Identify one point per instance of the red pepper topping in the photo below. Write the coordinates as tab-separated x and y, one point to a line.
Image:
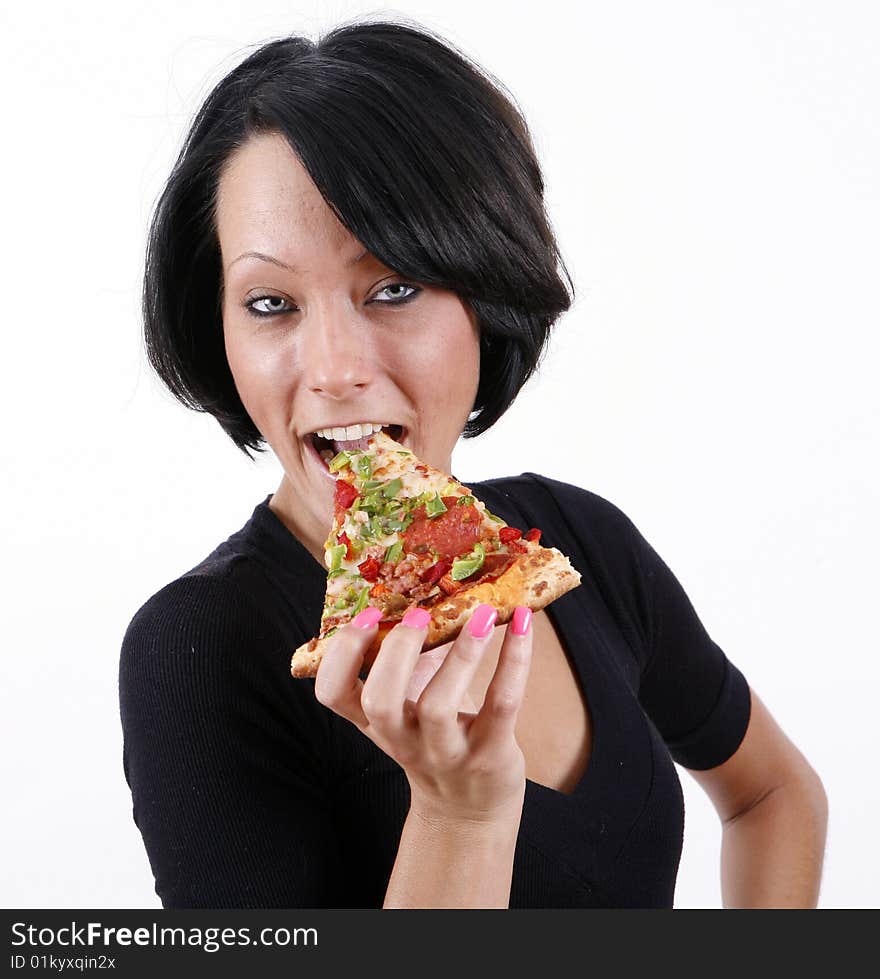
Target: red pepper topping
369	569
345	494
349	550
534	534
430	576
449	586
507	534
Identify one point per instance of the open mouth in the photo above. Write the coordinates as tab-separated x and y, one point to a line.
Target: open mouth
325	449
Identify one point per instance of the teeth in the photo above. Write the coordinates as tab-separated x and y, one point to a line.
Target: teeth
358	431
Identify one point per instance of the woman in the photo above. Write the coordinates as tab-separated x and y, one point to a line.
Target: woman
355	232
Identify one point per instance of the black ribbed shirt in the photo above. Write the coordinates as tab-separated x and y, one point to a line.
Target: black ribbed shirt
249	793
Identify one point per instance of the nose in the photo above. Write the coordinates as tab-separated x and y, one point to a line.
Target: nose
335	353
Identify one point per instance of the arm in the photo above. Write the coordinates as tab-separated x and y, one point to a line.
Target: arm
770	801
774	815
223	758
448	863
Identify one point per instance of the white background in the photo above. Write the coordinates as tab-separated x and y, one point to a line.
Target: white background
712	174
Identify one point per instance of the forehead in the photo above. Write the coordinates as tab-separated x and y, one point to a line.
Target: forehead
266	198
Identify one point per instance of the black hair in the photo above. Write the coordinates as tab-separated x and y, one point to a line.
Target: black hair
421	157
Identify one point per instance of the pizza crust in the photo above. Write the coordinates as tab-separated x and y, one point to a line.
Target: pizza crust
536	579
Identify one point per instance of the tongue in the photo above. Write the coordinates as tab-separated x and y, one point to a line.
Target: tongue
351	445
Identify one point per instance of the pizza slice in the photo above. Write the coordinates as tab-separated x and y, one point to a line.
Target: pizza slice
407	534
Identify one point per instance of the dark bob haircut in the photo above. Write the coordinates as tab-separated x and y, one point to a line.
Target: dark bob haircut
420	156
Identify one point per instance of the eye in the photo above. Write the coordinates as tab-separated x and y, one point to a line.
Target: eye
251	306
398	300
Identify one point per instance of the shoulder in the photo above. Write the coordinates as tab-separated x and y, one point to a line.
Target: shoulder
570	499
231	596
198	605
201	659
569	513
599	539
191	640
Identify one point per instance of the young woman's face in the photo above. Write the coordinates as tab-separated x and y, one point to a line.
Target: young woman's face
338	345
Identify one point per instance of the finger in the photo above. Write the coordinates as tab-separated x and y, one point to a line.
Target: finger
337	684
426	666
496	721
440	702
385	689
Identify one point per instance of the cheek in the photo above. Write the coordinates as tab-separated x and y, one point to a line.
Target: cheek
446	368
439	378
459	373
257	374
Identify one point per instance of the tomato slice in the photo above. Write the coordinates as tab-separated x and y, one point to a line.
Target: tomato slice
345	494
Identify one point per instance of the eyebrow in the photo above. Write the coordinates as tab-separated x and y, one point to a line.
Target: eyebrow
282	265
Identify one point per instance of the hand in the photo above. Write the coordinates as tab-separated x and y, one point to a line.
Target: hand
460	764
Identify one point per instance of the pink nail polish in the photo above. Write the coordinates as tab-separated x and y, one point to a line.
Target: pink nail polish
482	621
367	618
522	617
416	618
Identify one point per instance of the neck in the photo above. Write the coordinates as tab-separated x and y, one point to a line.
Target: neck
309	529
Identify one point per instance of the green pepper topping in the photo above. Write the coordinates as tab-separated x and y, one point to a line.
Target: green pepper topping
465	501
348	596
339	461
372	484
393	553
464	567
400	524
435	506
337	552
371	502
392	489
362	600
365	466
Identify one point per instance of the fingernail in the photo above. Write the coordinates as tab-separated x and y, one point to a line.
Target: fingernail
416	618
367	618
522	617
481	622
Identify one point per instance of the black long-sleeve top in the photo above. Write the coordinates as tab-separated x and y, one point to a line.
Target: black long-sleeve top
249	793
